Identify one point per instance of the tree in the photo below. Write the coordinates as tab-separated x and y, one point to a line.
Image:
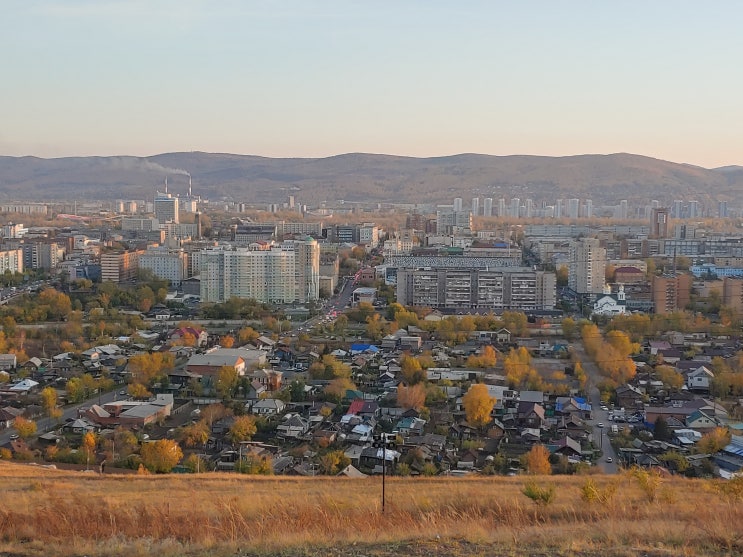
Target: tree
538	461
478	404
226	381
333	462
227	341
247	334
710	443
137	390
242	429
569	328
669	376
412	371
195	434
49	402
195	464
161	456
661	431
213	413
88	447
337	388
25	428
413	396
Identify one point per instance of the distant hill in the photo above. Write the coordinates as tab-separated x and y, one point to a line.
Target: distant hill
368	177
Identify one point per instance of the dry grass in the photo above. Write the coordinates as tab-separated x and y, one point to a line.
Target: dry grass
47	512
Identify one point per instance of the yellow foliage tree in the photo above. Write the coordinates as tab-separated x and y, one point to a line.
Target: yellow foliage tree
242	429
478	405
161	456
25	428
538	461
714	441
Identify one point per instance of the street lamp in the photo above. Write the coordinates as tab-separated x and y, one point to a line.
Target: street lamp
384	441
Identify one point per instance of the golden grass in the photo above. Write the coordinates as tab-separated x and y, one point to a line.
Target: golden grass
49	512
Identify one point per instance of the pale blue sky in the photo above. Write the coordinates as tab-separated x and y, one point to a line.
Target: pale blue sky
420	78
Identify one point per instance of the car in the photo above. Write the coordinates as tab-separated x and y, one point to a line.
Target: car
122	393
14	436
604	408
600	424
609	459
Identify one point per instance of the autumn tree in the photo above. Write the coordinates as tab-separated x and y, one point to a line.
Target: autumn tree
25	428
227	341
517	365
242	429
195	464
478	405
247	334
669	376
412	371
711	442
161	456
226	381
147	368
538	461
486	358
337	388
87	446
333	462
329	367
413	396
137	390
214	413
194	435
49	402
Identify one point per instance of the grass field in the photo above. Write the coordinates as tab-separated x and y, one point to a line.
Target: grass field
51	512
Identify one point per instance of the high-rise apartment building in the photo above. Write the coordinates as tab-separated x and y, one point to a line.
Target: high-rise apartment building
587	269
166	208
487	208
475	206
671	292
659	222
457	203
164	263
286	273
120	266
11	260
484	289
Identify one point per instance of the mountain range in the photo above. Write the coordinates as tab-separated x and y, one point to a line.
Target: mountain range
368	177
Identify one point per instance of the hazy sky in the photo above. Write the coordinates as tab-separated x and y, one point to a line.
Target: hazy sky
420	78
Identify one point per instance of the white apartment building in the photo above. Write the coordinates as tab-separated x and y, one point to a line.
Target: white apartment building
288	272
167	264
11	260
587	269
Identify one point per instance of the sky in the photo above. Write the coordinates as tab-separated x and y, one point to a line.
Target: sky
417	78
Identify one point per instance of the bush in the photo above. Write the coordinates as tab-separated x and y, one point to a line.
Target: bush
591	493
541	496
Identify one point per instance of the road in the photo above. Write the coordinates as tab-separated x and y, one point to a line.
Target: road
600	434
46	424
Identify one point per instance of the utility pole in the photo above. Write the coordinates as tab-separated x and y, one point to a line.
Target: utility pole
384	441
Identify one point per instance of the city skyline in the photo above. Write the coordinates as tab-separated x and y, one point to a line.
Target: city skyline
419	79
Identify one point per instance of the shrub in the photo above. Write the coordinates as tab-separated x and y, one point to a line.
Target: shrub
649	482
541	496
591	493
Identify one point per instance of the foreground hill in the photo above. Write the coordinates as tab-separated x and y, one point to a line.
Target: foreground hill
366	177
49	512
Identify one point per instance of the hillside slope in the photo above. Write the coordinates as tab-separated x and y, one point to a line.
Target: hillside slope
367	177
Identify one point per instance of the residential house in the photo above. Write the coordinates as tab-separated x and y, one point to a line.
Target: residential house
702	422
531	415
8	362
8	414
294	426
268	407
372	458
629	396
699	379
409	426
192	336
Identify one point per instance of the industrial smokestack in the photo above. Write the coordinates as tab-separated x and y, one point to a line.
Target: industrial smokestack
189	186
166	184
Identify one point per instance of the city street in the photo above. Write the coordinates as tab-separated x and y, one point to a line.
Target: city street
600	434
45	424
